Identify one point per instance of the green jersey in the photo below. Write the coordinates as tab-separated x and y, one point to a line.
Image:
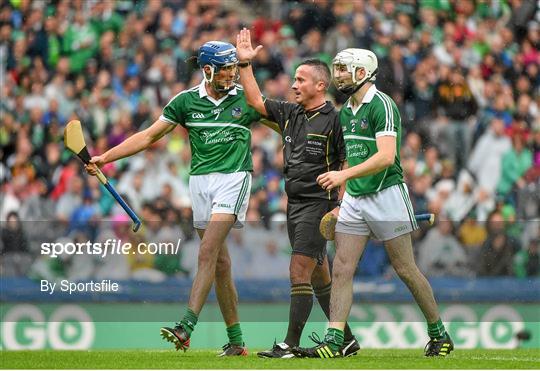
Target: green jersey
378	115
219	133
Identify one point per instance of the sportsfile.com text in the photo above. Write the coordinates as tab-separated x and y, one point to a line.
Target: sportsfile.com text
109	247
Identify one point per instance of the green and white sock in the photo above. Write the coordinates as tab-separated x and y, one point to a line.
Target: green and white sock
436	330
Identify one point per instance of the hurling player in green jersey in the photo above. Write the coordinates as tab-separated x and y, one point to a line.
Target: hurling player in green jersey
376	201
217	118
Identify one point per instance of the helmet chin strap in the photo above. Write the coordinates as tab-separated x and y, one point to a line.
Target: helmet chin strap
351	89
213	83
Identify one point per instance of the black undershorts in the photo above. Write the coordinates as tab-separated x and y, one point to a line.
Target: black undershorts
303	219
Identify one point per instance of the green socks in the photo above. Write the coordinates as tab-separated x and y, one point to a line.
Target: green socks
189	321
334	338
436	330
235	334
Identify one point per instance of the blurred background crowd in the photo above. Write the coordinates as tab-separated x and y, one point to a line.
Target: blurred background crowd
464	73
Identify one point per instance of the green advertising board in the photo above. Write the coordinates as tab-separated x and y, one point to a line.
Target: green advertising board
96	326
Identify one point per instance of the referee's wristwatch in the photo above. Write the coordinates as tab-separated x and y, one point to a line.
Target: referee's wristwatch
244	64
339	203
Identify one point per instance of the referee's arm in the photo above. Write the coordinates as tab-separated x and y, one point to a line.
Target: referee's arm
246	53
251	90
254	96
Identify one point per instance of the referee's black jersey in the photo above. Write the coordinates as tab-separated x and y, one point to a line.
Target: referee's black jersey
313	144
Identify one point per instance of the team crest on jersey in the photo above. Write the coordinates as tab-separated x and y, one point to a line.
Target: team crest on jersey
236	112
363	123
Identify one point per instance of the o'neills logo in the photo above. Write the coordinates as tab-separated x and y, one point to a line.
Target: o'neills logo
214	137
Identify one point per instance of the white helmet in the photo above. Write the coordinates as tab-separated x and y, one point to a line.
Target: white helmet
354	58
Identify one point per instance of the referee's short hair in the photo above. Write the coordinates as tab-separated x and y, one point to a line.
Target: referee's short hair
321	68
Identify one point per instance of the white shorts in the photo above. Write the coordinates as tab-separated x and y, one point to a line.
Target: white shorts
384	215
219	193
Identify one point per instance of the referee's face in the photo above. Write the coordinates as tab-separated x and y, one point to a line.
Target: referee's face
305	86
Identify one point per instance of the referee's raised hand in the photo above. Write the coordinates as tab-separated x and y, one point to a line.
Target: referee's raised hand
244	50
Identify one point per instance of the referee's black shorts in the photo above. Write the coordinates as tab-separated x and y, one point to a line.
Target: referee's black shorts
303	219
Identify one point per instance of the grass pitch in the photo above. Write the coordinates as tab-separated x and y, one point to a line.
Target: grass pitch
206	359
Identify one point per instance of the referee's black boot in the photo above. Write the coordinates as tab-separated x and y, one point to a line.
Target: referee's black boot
350	348
280	350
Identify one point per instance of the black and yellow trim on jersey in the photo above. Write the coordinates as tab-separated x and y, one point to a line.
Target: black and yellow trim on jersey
328	159
242	194
324	351
408	204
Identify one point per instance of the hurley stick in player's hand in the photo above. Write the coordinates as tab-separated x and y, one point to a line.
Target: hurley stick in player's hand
74	141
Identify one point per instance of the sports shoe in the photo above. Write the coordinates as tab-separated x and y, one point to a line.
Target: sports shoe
322	350
234	350
350	348
280	350
439	347
177	335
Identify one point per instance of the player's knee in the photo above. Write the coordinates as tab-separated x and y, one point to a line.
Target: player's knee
207	256
405	272
343	274
343	269
299	272
321	276
223	266
343	263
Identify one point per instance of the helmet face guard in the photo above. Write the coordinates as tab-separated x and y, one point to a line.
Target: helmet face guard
217	55
351	60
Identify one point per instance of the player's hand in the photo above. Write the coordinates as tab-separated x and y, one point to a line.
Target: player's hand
331	180
244	50
96	162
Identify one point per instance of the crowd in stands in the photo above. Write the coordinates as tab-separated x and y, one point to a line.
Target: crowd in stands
465	75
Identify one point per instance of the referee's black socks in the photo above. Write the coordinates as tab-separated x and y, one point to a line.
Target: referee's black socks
323	296
301	304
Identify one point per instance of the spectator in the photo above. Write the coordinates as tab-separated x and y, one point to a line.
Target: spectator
498	250
70	200
454	97
486	162
441	254
472	235
496	256
396	78
515	164
527	262
15	258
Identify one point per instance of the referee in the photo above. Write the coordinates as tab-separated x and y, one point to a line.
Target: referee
313	145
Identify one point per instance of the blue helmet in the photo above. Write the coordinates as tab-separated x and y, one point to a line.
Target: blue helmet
217	54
